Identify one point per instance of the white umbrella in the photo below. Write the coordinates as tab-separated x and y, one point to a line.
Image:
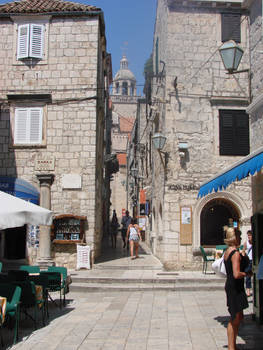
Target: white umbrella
15	212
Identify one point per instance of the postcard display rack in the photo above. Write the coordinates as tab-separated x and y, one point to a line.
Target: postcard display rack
68	229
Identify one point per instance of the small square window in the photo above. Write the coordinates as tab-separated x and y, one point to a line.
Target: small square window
233	132
231	27
30	41
28	126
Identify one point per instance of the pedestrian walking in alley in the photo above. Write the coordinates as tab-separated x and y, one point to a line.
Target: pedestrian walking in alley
114	229
125	221
134	236
235	264
247	250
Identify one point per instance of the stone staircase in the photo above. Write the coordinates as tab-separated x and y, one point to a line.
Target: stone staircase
161	281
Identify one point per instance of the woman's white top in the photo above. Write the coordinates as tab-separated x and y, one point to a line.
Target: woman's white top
249	250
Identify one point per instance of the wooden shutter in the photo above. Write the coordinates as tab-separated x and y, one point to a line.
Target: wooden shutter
36	40
28	126
20	134
35	126
230	25
23	41
233	133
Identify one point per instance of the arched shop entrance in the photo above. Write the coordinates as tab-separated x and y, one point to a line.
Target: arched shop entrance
13	240
215	215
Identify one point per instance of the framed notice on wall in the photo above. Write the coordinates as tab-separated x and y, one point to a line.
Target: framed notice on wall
186	225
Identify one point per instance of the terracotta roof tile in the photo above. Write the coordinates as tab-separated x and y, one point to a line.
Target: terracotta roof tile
42	6
122	158
126	124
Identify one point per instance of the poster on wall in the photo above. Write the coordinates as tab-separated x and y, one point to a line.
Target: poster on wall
185	215
186	225
33	236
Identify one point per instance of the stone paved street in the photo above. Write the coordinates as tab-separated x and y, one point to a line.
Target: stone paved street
110	319
142	320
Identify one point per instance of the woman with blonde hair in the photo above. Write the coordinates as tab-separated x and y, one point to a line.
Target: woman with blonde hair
235	265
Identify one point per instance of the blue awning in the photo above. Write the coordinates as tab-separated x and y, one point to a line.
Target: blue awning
19	188
238	171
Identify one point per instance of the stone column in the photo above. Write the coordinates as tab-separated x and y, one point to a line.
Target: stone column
44	252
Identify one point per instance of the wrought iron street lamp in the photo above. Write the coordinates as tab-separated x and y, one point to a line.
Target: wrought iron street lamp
159	141
231	55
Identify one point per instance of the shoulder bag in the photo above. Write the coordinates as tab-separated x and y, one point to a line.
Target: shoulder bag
218	267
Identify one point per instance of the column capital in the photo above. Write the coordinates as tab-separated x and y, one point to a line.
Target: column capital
45	179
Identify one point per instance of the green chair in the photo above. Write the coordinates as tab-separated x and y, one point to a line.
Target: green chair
42	280
18	275
30	268
206	259
29	300
13	295
222	247
54	284
64	273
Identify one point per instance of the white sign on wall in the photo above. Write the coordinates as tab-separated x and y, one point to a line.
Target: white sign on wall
71	181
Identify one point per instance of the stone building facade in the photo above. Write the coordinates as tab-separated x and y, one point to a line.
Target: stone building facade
53	63
193	101
255	109
124	99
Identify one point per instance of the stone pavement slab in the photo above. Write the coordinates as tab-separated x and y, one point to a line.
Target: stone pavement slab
142	320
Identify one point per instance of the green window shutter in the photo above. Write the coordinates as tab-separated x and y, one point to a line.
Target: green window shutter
231	27
157	56
233	133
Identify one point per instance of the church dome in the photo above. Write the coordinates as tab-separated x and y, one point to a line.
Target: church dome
124	73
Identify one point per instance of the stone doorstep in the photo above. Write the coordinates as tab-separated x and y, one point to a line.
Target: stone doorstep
114	280
124	267
96	287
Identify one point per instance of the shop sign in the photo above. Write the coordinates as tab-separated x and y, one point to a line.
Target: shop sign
190	187
45	163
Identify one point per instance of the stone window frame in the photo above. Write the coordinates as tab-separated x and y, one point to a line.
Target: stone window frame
43	20
28	105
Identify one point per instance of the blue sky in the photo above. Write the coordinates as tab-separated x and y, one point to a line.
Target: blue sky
129	30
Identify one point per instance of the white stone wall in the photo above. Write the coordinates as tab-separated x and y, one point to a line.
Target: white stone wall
189	37
73	127
256	107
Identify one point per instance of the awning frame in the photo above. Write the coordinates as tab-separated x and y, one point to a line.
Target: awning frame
232	173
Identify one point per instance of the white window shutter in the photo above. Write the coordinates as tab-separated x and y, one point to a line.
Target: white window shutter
20	134
23	41
35	128
36	40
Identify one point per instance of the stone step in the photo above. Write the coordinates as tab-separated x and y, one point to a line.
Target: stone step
121	280
120	287
125	267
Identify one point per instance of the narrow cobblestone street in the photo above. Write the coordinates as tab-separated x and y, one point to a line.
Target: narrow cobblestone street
140	319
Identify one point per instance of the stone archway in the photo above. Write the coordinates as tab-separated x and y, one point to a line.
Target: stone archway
215	215
233	199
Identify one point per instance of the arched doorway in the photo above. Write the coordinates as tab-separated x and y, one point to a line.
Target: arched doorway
214	216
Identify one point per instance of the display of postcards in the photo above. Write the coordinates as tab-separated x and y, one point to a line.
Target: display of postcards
74	236
59	236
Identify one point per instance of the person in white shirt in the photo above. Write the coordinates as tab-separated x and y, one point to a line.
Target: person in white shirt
247	249
134	236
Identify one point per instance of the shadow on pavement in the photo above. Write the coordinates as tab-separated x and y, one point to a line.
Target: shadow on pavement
250	332
26	326
110	253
